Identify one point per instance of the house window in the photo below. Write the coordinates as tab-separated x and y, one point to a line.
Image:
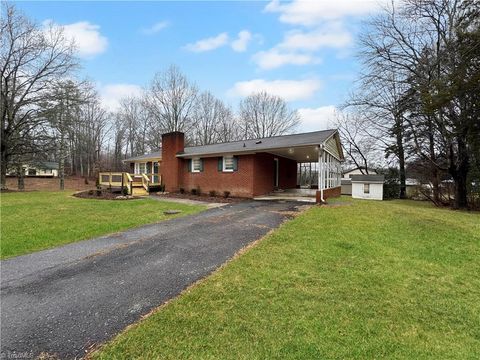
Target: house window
196	165
228	163
140	168
366	188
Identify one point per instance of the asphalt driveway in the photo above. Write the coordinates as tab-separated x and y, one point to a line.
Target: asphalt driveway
65	300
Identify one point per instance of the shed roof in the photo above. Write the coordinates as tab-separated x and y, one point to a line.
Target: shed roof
367	178
263	144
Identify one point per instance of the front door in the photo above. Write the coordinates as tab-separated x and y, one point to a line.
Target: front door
275	173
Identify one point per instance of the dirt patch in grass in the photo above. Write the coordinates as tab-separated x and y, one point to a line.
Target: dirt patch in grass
202	197
103	195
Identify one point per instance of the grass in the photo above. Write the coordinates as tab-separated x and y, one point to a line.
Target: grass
34	221
392	279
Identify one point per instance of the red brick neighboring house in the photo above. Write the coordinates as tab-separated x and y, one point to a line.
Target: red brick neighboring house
249	168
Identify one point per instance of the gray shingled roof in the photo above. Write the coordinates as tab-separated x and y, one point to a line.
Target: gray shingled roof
367	178
254	145
155	154
44	165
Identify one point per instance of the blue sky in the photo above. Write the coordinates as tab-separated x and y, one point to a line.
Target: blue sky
300	50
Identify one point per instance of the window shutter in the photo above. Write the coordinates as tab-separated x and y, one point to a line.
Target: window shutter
189	165
235	163
220	164
201	165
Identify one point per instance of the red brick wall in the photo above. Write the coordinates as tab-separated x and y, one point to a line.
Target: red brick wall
287	173
51	184
255	174
328	193
172	169
264	173
239	183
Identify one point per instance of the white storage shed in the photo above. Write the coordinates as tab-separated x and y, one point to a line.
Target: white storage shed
367	187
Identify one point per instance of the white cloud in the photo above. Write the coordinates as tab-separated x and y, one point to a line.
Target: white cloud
320	118
275	58
88	40
155	28
208	43
310	13
289	90
112	93
298	46
332	35
241	43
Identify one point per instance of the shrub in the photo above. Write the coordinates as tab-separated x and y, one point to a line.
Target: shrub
212	193
391	186
194	191
226	194
182	191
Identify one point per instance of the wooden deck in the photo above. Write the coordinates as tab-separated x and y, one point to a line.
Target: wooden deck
133	184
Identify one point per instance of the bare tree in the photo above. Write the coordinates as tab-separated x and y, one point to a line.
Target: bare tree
211	117
360	146
171	99
379	97
229	128
135	117
31	60
264	115
88	135
432	47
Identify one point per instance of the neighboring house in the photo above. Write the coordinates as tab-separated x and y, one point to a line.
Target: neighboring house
347	174
367	187
412	187
38	169
246	168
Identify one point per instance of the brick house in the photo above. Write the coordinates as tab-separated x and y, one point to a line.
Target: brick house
249	168
246	168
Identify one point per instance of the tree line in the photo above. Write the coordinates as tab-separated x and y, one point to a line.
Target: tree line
48	113
418	96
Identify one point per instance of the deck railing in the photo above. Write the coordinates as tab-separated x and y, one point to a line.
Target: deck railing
126	180
145	182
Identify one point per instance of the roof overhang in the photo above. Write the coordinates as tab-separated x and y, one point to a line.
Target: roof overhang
142	159
300	153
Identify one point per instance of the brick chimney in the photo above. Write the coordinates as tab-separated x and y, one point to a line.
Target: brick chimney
172	167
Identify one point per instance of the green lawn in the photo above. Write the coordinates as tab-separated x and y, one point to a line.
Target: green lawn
33	221
392	279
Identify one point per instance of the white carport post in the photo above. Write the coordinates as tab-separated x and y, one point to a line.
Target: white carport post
321	171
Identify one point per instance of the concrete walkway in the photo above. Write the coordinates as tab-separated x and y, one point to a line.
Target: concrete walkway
65	300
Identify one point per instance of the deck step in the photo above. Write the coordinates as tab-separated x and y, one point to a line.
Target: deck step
139	191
